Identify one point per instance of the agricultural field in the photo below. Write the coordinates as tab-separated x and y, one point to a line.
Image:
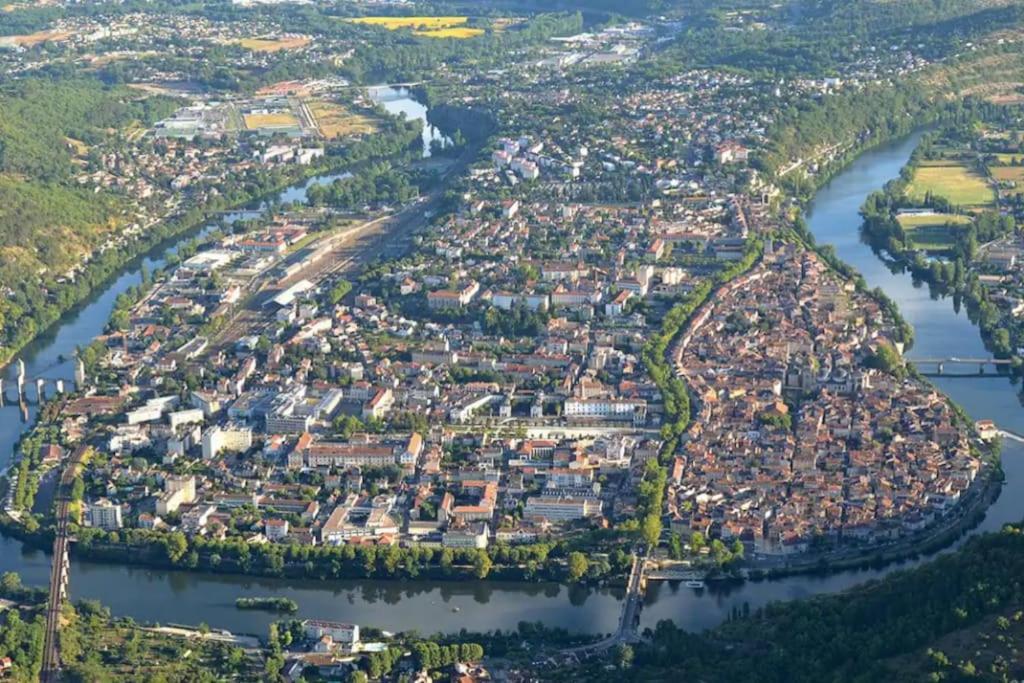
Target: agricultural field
275	44
1010	158
36	38
275	120
935	232
1008	174
428	27
421	23
457	32
335	121
952	180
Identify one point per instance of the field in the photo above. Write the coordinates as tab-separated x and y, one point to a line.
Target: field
459	32
421	23
274	44
335	121
933	233
953	181
1008	174
277	120
35	38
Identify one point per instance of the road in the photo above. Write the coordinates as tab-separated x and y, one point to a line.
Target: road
58	573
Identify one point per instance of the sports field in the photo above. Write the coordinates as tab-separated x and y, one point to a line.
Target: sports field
933	233
953	181
276	120
336	121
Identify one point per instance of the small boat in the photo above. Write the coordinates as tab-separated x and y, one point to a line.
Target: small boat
694	583
456	609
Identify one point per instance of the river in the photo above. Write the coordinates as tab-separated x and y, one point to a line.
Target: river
183	597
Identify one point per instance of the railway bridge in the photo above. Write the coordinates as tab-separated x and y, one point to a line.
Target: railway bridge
60	569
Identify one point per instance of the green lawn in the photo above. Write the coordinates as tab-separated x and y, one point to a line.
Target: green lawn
953	181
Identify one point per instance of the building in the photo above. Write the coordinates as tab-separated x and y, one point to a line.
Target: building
340	633
237	438
470	537
607	409
178	491
275	529
561	508
105	515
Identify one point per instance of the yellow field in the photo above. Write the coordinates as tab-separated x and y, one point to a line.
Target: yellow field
953	181
336	121
422	23
279	120
458	32
274	45
1010	158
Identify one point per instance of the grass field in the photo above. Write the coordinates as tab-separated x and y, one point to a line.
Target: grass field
274	45
336	121
1010	158
933	233
953	181
910	222
278	120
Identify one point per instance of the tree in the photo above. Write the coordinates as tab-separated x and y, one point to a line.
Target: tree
651	530
624	655
482	564
10	584
578	566
175	545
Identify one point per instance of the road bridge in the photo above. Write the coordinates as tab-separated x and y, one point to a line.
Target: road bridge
629	616
936	367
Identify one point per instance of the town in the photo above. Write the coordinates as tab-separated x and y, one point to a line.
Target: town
522	297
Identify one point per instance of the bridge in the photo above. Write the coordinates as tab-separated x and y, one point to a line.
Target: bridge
60	570
936	367
21	384
629	616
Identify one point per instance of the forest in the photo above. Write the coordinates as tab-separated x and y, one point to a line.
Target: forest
869	633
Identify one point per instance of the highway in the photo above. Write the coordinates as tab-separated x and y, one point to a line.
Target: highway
59	571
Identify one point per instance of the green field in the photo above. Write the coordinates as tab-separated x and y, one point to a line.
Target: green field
953	181
933	233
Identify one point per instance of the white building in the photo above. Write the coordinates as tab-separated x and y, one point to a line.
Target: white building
105	515
561	509
236	438
341	633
